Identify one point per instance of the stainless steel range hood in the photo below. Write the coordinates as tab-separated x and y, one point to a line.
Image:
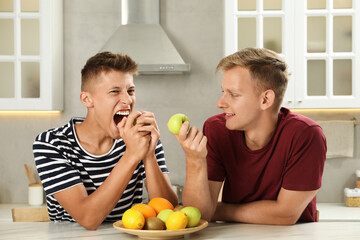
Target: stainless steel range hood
142	38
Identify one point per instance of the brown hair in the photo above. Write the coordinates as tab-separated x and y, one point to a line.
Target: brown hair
266	68
105	62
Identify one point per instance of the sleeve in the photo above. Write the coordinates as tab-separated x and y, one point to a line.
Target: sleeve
215	167
304	169
55	172
160	158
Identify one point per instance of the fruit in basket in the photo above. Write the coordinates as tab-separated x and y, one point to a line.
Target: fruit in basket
176	221
133	219
145	209
193	214
164	214
159	204
176	121
154	223
178	207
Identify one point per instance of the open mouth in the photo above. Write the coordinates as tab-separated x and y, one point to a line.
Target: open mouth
120	115
229	115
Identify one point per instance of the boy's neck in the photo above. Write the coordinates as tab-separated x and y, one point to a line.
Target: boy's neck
92	139
257	138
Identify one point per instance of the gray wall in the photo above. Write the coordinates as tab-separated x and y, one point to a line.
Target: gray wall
196	29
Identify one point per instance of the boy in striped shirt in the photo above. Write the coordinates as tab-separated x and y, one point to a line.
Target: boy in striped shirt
93	168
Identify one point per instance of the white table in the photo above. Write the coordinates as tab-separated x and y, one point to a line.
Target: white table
336	222
51	230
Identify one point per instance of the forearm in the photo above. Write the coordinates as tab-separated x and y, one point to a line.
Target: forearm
196	190
91	211
259	212
157	184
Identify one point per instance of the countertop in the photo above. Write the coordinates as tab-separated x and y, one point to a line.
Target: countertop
336	222
320	230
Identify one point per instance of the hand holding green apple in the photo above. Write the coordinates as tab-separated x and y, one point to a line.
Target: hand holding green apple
176	121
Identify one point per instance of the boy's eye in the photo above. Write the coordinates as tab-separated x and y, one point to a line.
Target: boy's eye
131	91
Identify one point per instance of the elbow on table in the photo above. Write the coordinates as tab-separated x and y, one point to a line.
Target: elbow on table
207	215
90	226
289	220
89	223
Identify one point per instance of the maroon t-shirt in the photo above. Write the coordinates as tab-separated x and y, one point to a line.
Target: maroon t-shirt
293	159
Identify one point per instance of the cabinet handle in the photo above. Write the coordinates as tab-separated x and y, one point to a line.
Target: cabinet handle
299	100
289	101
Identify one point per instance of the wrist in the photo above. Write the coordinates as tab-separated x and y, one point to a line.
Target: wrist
130	158
196	164
149	158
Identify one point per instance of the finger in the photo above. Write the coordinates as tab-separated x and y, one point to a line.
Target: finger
203	142
121	124
147	113
133	115
198	137
147	128
183	131
145	120
143	133
192	133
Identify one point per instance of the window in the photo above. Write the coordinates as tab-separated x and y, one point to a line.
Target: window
31	55
318	39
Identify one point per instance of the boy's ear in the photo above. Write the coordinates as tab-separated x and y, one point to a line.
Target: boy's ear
86	99
268	99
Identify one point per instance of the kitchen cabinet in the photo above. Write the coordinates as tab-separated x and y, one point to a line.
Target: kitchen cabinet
31	55
320	41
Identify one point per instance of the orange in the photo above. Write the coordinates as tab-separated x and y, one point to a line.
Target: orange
145	209
133	219
159	204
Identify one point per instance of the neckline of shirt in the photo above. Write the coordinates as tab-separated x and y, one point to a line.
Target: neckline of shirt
78	120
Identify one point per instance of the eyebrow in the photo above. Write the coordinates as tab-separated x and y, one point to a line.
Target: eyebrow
117	87
230	89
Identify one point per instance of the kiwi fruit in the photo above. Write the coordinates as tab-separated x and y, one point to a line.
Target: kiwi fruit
153	223
178	208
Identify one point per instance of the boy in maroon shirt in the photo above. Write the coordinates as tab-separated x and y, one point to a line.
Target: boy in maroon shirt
270	159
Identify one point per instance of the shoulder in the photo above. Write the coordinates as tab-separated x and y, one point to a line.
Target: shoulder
296	120
62	133
299	126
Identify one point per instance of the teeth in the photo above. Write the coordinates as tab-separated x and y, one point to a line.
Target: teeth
229	114
123	113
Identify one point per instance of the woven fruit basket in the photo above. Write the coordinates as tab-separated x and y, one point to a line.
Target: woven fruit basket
352	197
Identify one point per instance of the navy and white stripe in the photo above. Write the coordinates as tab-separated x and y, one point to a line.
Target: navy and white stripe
62	163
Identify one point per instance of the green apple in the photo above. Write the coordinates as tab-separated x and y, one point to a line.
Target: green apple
163	215
193	214
176	121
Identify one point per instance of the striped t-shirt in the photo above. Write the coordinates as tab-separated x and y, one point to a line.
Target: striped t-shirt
62	163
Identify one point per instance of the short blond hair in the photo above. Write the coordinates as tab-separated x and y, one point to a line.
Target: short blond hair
266	68
105	62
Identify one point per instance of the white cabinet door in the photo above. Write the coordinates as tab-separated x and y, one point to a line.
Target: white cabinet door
31	55
319	40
